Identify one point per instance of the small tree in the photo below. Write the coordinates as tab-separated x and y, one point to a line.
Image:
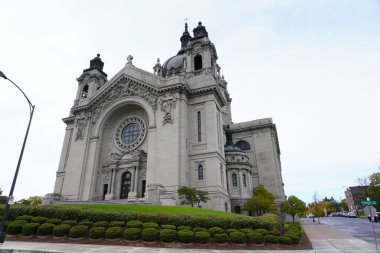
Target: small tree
262	201
35	200
190	196
3	199
293	206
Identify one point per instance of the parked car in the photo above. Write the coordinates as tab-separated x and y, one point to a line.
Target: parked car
310	215
351	215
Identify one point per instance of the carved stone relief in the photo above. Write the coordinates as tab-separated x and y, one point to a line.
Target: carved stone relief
125	88
168	103
81	125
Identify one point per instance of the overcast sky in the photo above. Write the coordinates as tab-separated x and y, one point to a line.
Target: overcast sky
311	65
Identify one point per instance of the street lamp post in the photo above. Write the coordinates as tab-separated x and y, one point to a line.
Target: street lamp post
6	211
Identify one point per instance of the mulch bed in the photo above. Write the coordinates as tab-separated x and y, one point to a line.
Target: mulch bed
303	245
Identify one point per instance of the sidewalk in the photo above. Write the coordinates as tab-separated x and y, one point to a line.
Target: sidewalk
323	238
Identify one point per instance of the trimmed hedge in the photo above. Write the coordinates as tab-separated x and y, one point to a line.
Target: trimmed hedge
271	239
183	228
61	230
96	232
30	229
70	222
135	224
229	231
27	218
267	221
168	235
202	237
39	219
150	225
237	237
45	229
197	229
132	234
185	236
54	221
114	232
103	224
255	238
246	230
78	231
216	230
284	240
262	231
120	224
149	234
86	223
168	227
15	227
221	238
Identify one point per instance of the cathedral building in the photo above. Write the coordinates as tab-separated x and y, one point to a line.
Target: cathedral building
138	136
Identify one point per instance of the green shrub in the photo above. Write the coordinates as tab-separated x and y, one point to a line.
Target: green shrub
132	234
61	230
148	217
246	230
216	230
198	229
202	237
168	227
237	237
183	228
168	235
103	224
15	227
86	223
70	222
295	238
255	238
221	238
120	224
150	225
135	224
27	218
39	219
114	232
275	232
54	221
149	234
96	232
284	240
271	239
30	229
78	231
229	231
262	231
185	236
45	229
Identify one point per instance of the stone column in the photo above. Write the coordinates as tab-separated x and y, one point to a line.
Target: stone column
111	191
241	183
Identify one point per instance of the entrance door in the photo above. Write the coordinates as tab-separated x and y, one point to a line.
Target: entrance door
125	185
143	189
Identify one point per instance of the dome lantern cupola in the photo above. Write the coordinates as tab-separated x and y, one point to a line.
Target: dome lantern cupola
185	37
200	31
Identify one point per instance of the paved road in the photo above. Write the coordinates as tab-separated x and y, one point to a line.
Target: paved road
359	228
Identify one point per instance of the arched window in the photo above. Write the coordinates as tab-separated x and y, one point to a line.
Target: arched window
237	209
125	185
85	91
226	206
244	181
243	145
200	172
198	62
234	180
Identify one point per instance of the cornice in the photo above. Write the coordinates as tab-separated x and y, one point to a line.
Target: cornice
69	120
250	128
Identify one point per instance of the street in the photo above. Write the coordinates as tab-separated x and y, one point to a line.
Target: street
359	228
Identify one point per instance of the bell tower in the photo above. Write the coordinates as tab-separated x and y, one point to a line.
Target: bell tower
91	80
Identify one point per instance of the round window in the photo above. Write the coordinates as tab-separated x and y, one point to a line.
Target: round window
130	133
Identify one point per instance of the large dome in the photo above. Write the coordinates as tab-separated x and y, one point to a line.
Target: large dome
173	65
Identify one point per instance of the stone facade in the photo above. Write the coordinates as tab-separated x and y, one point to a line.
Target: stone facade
139	136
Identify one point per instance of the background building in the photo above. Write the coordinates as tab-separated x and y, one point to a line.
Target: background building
138	136
354	196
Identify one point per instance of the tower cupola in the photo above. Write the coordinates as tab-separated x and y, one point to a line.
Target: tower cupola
185	37
200	31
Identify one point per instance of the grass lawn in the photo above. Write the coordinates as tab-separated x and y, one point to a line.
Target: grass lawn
151	209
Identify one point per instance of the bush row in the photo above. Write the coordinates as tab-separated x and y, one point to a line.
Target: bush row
52	214
198	235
